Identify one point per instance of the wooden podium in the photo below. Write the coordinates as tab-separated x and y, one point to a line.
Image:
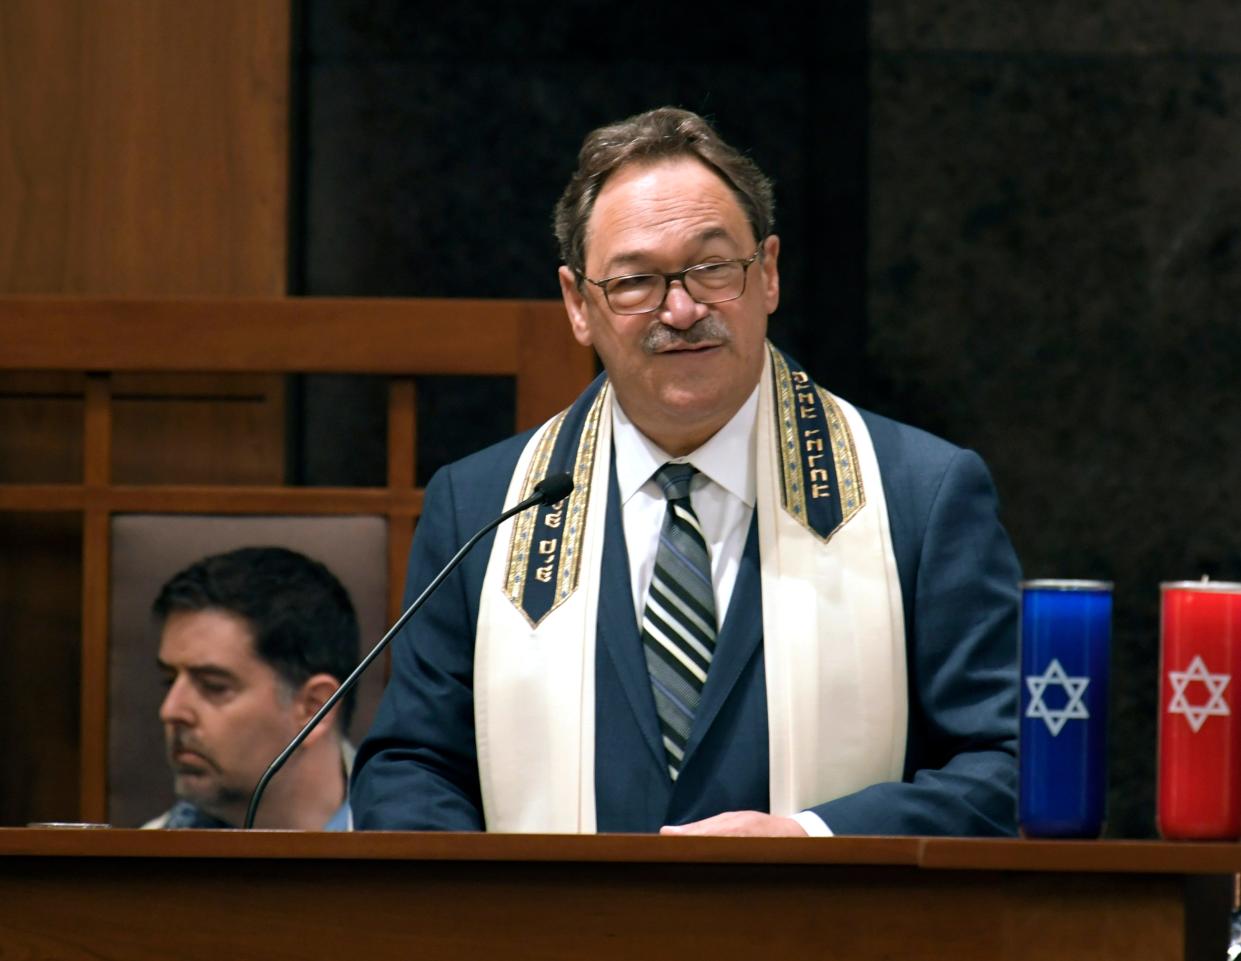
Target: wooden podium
207	895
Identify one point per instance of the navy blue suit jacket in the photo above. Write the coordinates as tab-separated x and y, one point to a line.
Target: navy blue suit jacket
417	769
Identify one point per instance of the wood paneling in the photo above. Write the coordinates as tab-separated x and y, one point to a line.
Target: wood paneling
934	854
124	350
198	429
402	471
41	427
544	363
168	894
144	146
288	334
96	561
143	151
39	655
195	499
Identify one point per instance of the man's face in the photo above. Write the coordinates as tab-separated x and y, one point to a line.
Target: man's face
226	715
682	371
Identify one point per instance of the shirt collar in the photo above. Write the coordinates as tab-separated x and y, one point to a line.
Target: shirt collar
724	458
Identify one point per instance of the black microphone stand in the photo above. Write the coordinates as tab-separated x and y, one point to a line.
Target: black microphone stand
548	490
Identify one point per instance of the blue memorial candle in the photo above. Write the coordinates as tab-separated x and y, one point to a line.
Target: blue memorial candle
1066	629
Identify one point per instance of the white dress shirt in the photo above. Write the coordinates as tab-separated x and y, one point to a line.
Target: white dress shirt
722	493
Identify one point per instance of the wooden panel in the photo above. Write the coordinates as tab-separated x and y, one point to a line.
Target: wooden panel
1129	856
402	469
39	631
167	429
535	912
213	500
93	740
41	428
144	146
402	432
138	895
551	370
198	429
938	856
143	151
295	335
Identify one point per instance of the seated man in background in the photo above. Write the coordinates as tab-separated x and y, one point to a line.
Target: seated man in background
761	611
252	643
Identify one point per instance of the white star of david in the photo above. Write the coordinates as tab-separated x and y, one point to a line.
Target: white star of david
1074	688
1197	714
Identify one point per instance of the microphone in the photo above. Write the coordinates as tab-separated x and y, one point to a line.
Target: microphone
553	488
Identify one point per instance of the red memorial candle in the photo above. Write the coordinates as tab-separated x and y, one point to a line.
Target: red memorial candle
1199	711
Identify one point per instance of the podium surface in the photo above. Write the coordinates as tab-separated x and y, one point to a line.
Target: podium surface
190	895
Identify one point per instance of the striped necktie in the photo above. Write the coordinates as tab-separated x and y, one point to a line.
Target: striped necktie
678	626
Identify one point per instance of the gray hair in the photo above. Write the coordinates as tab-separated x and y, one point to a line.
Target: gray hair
660	134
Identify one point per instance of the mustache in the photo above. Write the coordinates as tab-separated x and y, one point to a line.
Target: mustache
661	337
179	741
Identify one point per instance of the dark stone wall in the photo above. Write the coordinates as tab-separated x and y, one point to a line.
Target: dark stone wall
1017	225
1055	278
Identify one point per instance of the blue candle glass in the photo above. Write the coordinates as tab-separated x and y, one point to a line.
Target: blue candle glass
1066	630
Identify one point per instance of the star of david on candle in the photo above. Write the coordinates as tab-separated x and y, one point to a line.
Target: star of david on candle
1197	714
1074	688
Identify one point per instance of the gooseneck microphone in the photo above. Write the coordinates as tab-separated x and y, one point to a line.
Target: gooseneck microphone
553	488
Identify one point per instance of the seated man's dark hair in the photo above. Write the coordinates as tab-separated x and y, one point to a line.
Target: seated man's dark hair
301	616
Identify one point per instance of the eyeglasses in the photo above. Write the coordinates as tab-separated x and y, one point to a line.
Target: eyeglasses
716	282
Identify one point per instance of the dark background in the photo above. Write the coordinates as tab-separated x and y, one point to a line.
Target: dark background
1017	225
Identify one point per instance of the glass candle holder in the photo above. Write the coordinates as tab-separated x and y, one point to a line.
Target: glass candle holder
1066	631
1199	796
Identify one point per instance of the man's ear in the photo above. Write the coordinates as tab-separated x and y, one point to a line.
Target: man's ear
771	273
575	306
312	696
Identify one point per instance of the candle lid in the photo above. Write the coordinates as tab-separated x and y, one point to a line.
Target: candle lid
1219	587
1063	584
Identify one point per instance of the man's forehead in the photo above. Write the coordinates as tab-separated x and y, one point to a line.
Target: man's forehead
210	637
620	256
645	205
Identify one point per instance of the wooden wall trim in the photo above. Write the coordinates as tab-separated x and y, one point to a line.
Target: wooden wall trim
96	553
932	854
93	722
546	362
303	335
197	499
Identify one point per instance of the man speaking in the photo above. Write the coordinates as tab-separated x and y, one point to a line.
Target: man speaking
761	611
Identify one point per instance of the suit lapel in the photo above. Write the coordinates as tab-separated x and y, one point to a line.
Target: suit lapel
736	642
616	632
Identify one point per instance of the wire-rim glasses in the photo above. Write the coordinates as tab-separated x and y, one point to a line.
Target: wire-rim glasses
714	282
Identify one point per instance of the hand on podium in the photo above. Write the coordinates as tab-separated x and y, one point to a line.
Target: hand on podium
740	824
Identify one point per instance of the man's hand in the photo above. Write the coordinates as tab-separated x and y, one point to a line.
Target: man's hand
740	824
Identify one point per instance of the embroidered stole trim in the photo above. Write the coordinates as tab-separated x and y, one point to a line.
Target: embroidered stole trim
819	482
833	624
546	550
833	620
534	653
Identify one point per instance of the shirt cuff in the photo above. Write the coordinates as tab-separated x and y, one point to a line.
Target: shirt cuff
812	824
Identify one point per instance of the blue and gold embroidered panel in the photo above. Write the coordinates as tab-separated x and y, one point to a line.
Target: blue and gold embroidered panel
821	483
544	561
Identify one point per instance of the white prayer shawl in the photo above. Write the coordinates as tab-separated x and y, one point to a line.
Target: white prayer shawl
833	622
